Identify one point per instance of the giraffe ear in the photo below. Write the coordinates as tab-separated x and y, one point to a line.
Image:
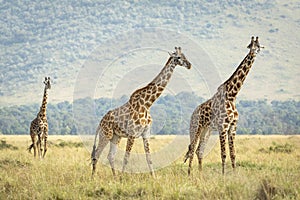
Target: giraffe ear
179	50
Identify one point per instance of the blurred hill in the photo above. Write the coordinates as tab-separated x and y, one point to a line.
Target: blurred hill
55	38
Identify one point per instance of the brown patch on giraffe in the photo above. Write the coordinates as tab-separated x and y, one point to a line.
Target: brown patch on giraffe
143	122
135	116
147	97
168	76
152	99
141	115
160	89
149	121
236	114
157	95
148	104
234	80
142	102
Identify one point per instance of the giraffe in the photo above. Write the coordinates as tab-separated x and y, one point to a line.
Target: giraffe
220	113
39	126
133	119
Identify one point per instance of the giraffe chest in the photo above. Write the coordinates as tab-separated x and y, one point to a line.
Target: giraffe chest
223	112
214	113
38	126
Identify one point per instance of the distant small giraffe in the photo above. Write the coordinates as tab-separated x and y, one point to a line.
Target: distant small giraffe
220	113
133	119
39	126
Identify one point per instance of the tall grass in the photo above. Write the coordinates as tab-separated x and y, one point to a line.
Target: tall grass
65	173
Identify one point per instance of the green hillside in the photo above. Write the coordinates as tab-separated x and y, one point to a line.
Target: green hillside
56	38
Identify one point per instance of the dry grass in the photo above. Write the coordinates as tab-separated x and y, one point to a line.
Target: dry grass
65	173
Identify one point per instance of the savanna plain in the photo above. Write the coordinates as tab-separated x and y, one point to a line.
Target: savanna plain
268	167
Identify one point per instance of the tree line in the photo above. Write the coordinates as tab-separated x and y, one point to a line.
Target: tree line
171	115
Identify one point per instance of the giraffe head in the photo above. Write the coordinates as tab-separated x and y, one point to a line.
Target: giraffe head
178	58
47	83
254	45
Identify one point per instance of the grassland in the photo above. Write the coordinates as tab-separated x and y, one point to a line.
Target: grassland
268	168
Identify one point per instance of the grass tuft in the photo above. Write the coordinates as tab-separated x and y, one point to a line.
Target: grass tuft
278	148
4	145
266	190
250	165
62	144
100	192
7	163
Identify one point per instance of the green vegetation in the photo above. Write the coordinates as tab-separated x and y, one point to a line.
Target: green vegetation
171	115
65	173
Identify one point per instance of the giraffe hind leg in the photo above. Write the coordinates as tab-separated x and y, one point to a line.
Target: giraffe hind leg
129	145
201	148
34	149
112	152
190	154
33	145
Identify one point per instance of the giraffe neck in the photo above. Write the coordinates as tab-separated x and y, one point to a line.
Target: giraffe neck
235	82
43	108
146	96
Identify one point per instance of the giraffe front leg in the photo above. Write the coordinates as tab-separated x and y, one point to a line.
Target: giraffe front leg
223	149
148	155
39	145
231	137
129	145
45	143
112	152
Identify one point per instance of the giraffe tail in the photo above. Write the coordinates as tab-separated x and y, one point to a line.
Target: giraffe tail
93	152
30	147
187	155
